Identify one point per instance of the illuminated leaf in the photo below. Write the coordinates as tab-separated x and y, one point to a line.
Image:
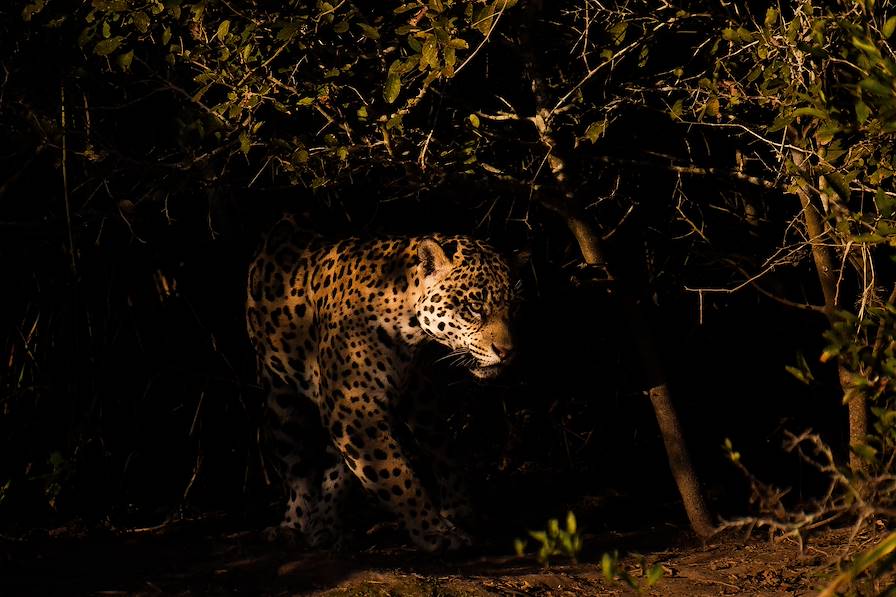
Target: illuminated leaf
862	112
430	55
889	27
392	88
595	131
107	46
223	30
368	31
124	60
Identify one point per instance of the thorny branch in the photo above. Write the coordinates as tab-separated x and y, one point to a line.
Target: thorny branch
847	498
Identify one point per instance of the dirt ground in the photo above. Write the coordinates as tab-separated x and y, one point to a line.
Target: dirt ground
214	559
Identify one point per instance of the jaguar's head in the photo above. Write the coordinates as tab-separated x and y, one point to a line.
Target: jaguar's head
466	302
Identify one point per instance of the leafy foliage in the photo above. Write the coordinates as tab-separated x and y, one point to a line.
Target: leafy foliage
555	541
613	571
315	91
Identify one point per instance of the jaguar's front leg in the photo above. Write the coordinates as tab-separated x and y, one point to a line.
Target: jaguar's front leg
428	416
294	429
430	428
364	436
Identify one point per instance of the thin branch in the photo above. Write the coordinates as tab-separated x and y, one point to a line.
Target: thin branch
497	17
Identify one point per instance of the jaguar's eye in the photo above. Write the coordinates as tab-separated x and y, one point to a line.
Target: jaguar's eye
475	310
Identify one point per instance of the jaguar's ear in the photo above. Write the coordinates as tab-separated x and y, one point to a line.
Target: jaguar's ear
432	258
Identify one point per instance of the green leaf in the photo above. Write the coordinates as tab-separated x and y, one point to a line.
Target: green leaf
837	183
482	19
617	32
875	86
450	59
223	29
654	574
608	566
825	134
779	123
107	46
865	46
807	111
862	112
368	31
245	143
430	53
519	547
198	95
566	544
595	131
474	120
886	205
570	523
676	110
392	88
124	60
553	527
864	451
643	55
141	21
889	27
395	122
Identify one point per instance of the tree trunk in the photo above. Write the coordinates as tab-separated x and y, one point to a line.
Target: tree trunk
827	278
660	397
589	243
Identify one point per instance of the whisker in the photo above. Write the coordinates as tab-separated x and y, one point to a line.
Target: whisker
453	353
460	360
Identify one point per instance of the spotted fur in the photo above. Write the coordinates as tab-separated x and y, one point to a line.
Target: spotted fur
336	327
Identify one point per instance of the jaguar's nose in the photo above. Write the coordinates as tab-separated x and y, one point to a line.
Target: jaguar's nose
504	352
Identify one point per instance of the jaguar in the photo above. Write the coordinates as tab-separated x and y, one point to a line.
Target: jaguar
338	328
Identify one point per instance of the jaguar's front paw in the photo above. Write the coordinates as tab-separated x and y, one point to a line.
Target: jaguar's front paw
329	538
444	536
458	512
282	533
